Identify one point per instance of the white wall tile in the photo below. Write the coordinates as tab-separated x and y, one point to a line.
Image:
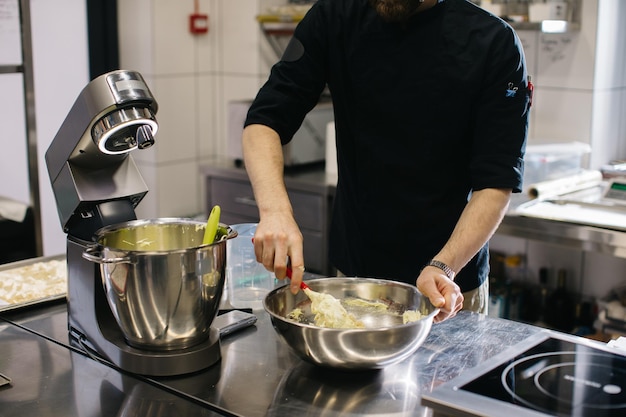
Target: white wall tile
177	189
267	56
239	31
135	26
148	208
530	42
562	115
174	51
233	88
565	61
206	45
201	189
173	190
14	162
264	4
192	77
207	114
177	118
237	87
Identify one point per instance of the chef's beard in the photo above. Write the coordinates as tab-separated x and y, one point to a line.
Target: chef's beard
396	10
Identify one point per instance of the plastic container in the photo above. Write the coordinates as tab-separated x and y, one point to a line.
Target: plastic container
248	282
553	160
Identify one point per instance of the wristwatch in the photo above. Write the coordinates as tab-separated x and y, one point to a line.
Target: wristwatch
445	268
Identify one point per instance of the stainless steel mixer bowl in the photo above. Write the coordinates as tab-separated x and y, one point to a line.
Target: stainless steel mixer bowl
162	284
387	341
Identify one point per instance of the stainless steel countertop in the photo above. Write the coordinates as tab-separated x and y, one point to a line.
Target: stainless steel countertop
49	379
257	376
571	235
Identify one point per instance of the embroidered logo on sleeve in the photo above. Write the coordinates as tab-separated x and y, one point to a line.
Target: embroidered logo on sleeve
511	90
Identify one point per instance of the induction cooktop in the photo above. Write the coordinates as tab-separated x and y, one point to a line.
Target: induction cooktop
550	373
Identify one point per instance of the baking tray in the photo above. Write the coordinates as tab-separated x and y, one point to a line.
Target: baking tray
36	301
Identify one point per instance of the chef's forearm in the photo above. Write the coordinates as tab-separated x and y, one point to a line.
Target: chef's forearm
264	163
477	224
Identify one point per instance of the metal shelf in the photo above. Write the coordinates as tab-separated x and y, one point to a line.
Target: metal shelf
11	69
277	33
570	21
547	26
278	28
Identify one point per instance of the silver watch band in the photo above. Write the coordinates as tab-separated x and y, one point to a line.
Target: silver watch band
445	268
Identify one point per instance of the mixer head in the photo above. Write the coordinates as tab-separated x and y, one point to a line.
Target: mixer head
88	160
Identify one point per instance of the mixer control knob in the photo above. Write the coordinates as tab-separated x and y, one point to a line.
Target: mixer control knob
144	137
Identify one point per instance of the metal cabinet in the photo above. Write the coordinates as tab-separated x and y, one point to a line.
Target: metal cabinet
229	187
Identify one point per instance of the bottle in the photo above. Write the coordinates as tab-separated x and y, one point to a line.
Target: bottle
560	305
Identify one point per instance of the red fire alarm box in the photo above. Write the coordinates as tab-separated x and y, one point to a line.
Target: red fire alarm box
198	23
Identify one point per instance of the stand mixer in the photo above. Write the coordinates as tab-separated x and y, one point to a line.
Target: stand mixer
96	184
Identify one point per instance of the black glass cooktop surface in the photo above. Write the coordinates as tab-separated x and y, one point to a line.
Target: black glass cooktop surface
557	375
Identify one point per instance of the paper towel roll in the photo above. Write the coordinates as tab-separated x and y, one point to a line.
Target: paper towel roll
12	210
552	188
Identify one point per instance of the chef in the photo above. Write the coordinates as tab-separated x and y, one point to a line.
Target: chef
431	103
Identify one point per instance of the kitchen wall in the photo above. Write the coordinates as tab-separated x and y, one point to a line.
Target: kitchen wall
580	82
562	69
193	77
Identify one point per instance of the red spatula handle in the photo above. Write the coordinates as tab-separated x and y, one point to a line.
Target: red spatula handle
289	273
302	284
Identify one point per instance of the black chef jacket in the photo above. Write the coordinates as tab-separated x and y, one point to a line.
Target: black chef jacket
425	112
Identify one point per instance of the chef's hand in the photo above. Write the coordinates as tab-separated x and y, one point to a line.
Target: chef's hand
278	238
441	291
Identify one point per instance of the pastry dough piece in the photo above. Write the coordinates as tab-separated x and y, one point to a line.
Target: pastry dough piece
411	316
330	313
32	282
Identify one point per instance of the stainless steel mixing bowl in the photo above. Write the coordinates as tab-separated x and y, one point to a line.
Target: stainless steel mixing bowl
384	340
162	284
